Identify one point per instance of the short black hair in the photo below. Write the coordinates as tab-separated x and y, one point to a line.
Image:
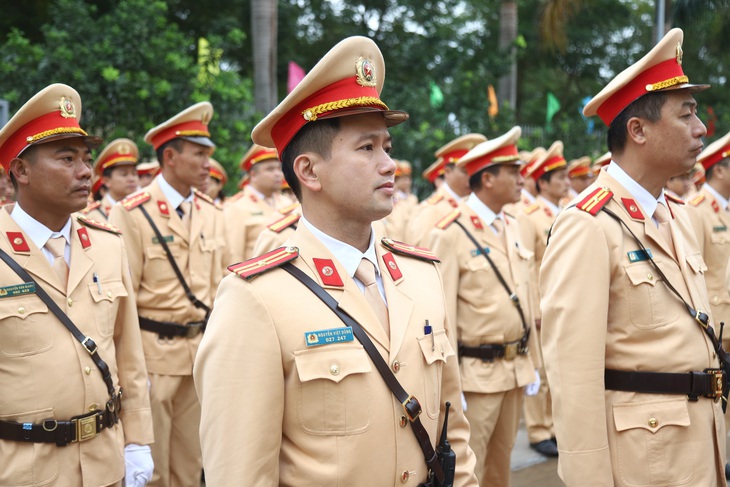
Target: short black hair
315	137
176	144
475	180
648	106
709	171
29	155
545	177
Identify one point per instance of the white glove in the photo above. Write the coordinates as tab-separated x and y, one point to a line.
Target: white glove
463	401
532	388
138	465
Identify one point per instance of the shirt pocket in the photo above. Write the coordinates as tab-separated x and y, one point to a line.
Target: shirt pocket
25	464
23	326
649	306
334	390
652	442
106	297
157	268
436	349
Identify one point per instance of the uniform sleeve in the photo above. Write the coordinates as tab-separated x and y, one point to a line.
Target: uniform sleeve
136	415
123	220
528	237
240	431
695	218
575	287
235	233
444	248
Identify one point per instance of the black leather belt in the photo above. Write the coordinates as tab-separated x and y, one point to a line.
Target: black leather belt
77	429
488	353
707	383
170	330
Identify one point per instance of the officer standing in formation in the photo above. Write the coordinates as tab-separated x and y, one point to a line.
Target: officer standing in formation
74	409
115	168
612	327
321	414
483	263
174	238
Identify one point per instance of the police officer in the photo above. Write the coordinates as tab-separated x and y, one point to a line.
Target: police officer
289	397
216	182
618	343
174	237
74	406
115	170
493	333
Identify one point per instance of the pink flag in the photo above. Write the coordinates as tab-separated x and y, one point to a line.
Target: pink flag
296	74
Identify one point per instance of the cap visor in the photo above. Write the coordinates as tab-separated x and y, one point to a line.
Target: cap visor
392	117
686	86
204	141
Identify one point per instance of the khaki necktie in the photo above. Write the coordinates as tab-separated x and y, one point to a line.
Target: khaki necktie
662	216
186	210
366	274
498	226
57	246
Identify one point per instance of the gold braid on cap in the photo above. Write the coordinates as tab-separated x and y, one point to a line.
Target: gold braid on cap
60	130
505	158
677	80
192	133
311	114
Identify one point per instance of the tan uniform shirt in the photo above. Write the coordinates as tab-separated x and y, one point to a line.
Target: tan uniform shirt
160	296
245	219
396	222
276	412
97	211
45	373
601	310
427	214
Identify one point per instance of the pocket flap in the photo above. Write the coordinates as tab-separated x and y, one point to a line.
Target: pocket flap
641	273
107	291
17	308
156	251
436	346
332	363
651	416
696	263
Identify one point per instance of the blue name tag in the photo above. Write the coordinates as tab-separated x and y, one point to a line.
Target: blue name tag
476	252
639	255
17	290
326	337
722	228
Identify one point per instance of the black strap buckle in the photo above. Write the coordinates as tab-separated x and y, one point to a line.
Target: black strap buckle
194	329
412	408
89	345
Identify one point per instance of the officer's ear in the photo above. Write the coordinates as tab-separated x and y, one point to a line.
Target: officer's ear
19	169
305	167
635	130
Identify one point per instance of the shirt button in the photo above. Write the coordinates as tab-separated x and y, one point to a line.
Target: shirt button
405	476
653	423
87	370
650	276
396	366
70	302
715	300
109	294
334	369
21	310
403	422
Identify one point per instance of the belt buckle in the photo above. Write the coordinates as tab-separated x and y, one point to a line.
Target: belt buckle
510	351
193	329
717	383
412	408
86	427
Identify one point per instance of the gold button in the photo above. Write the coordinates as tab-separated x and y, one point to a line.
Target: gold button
109	294
650	276
87	370
653	422
403	422
334	369
396	366
70	302
93	407
405	476
21	310
715	299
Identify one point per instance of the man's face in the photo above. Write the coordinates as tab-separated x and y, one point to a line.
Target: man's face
557	187
214	187
507	185
145	180
680	185
266	176
122	181
458	179
582	182
357	180
190	166
56	176
675	140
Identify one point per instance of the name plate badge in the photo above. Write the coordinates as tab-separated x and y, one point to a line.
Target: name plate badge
476	252
639	255
327	337
168	239
17	290
721	228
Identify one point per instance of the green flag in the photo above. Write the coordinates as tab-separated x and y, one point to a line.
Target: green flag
437	96
553	107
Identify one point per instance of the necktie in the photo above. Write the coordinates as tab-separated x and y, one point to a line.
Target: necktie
498	225
183	212
661	215
366	274
57	246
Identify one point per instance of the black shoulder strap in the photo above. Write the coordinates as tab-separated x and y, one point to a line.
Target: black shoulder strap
193	299
515	299
88	344
410	404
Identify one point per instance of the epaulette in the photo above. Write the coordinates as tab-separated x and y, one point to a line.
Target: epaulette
258	265
697	200
206	198
532	208
679	201
596	200
448	219
133	201
91	207
289	208
435	199
99	225
409	250
279	225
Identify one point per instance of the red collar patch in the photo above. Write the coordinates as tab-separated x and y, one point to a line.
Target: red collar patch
632	208
393	269
548	212
453	203
84	237
328	272
164	208
715	206
17	242
477	222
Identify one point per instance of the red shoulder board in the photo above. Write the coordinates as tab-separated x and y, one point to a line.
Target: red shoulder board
206	198
448	219
258	265
91	207
289	208
697	200
596	200
435	199
679	201
279	225
131	202
405	249
97	224
531	208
